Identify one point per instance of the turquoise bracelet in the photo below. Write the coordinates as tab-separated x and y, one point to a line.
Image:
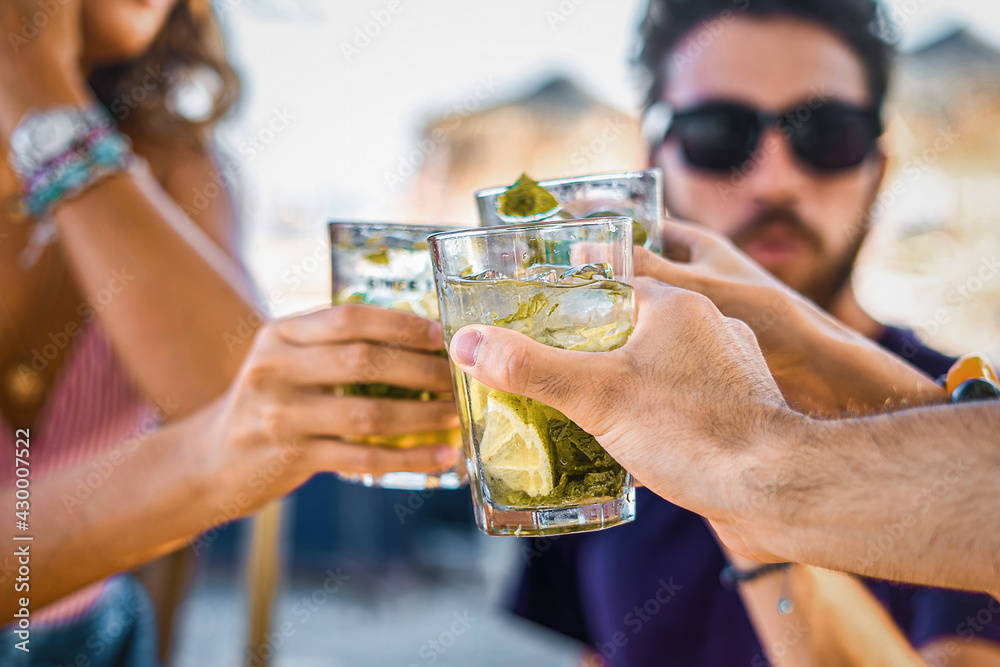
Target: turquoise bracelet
76	171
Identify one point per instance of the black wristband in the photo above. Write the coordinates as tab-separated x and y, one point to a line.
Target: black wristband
975	389
730	576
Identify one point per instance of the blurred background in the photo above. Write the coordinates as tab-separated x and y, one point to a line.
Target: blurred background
378	110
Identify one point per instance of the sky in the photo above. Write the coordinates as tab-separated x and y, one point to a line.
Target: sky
337	92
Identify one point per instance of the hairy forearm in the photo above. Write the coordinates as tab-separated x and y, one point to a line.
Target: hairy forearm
910	495
164	292
136	502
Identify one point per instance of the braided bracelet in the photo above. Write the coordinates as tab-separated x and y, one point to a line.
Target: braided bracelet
61	152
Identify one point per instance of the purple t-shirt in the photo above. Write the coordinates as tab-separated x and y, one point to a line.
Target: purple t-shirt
648	592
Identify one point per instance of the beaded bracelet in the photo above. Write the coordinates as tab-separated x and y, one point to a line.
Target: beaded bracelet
100	154
59	152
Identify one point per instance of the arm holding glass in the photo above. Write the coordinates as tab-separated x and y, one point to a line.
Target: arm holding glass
816	362
274	428
690	407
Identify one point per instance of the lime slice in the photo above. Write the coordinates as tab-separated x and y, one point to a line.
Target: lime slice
479	394
380	256
526	201
513	452
348	295
604	339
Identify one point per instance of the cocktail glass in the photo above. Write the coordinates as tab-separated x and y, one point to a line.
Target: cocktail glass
635	194
389	266
533	471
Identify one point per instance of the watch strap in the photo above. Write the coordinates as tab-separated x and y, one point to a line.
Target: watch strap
971	378
30	151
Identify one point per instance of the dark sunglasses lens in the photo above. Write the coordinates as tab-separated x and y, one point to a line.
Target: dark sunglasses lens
717	138
836	137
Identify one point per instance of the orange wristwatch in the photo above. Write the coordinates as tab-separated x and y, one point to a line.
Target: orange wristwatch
971	378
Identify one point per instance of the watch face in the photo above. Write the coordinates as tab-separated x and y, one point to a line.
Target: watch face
51	135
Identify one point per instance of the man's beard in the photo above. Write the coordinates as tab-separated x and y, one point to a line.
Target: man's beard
821	287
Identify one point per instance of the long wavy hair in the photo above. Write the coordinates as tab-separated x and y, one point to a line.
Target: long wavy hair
188	52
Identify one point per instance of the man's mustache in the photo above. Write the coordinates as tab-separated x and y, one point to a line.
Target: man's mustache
778	217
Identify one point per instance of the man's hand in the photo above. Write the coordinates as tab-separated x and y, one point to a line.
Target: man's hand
817	361
680	405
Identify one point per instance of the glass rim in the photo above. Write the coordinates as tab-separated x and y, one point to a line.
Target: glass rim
387	226
567	180
528	226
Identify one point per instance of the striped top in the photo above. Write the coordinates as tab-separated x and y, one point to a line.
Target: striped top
92	407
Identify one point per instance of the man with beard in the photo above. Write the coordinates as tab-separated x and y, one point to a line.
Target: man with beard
765	117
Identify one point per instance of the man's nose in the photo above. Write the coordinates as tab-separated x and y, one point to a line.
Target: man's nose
777	177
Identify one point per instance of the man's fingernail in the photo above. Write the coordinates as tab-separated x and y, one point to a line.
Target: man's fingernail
465	347
434	330
445	455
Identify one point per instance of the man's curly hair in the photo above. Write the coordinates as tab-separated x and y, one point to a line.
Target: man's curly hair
863	24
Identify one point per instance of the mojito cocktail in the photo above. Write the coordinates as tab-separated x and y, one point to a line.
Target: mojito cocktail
533	470
635	194
389	266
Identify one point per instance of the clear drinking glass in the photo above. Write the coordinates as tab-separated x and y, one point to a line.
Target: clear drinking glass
532	470
635	194
389	266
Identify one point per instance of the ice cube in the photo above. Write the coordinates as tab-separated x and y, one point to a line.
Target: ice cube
547	273
584	307
488	274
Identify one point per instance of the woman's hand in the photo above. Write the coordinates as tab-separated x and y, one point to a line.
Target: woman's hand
816	360
279	407
39	58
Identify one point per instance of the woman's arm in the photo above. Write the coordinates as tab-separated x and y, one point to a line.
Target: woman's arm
835	620
183	293
268	434
164	291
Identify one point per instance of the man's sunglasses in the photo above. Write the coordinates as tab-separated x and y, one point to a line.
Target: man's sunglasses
718	136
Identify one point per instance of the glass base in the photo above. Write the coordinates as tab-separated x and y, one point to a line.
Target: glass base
524	522
408	481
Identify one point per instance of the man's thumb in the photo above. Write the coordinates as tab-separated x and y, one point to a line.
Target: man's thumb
512	362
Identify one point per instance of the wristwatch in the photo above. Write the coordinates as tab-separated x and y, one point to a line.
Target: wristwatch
42	136
971	378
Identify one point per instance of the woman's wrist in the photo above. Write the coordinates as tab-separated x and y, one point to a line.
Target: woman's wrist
733	575
242	473
49	85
